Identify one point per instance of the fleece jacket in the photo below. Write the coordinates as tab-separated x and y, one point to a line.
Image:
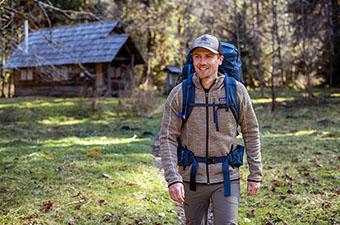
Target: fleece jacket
199	134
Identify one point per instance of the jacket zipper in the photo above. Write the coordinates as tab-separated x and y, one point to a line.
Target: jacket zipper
207	137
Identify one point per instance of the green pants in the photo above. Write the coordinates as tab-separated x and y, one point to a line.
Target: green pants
225	209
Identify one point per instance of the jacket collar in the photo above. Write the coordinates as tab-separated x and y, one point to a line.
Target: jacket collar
218	83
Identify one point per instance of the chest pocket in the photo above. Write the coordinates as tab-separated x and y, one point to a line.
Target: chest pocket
224	119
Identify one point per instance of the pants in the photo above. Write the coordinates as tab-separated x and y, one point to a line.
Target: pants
225	209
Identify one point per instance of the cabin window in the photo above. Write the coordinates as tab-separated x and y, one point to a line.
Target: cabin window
26	74
55	73
61	73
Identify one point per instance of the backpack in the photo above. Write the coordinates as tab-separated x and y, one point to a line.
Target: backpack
230	67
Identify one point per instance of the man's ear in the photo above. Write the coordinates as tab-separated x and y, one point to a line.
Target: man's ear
221	59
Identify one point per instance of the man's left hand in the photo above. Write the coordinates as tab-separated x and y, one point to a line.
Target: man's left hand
253	187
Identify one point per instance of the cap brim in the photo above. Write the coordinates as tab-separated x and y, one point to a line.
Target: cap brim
210	49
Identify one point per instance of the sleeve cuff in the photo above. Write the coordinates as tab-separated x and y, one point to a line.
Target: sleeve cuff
257	181
175	182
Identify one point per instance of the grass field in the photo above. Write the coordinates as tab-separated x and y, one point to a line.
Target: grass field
62	163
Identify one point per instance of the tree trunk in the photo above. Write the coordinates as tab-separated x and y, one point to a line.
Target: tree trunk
305	27
12	48
2	58
146	76
258	54
237	26
273	105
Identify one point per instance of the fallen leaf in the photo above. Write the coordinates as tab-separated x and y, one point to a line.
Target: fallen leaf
102	202
326	205
288	177
107	217
78	206
314	180
282	196
30	217
296	160
252	213
273	189
278	183
337	190
289	191
47	206
306	174
319	192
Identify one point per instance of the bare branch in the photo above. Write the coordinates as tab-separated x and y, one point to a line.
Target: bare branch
68	13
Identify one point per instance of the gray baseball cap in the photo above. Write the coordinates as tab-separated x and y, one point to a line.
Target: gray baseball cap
207	41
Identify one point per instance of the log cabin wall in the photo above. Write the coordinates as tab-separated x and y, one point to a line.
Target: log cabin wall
67	81
73	81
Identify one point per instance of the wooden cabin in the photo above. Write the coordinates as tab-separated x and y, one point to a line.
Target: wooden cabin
77	60
173	74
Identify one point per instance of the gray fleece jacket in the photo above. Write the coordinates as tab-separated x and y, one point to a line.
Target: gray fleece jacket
199	134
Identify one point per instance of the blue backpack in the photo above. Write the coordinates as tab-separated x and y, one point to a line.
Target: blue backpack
230	67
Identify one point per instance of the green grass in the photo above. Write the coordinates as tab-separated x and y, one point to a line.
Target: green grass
62	163
301	152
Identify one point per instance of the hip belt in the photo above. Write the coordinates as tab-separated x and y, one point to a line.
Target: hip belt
186	158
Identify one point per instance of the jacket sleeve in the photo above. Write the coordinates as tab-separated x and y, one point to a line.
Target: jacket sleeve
170	131
250	132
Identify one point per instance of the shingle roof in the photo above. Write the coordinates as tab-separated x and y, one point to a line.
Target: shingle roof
173	69
85	43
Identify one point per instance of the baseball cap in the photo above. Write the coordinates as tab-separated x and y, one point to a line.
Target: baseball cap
207	41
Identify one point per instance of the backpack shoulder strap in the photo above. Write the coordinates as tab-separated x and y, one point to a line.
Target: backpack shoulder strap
188	89
231	96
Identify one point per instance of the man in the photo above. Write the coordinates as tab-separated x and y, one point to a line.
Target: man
201	137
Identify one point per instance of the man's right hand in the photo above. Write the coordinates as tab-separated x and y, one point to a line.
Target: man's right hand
176	192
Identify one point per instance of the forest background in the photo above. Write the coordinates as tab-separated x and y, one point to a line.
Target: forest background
283	43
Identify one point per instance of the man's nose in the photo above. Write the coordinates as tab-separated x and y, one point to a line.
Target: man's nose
202	61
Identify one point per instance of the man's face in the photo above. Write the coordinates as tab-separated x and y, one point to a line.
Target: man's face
206	63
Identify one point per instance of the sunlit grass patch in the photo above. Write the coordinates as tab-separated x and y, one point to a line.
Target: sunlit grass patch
335	95
268	100
61	121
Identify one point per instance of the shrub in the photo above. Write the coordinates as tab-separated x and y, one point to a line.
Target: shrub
143	101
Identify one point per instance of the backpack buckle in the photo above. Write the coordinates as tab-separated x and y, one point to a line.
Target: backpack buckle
210	160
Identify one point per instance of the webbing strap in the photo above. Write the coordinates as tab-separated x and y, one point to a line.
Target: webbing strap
226	178
193	173
225	170
231	96
187	158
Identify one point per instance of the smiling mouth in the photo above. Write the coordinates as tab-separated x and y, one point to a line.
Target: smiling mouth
202	69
